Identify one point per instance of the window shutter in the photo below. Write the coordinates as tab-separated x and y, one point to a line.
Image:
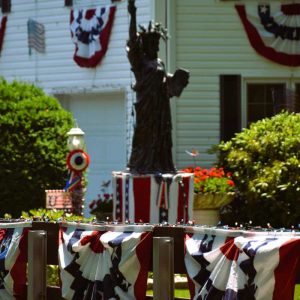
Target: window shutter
68	2
5	6
230	106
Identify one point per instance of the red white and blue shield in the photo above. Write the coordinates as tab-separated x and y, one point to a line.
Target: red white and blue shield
90	31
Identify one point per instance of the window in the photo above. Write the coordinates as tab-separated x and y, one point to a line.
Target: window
68	2
5	6
245	101
266	98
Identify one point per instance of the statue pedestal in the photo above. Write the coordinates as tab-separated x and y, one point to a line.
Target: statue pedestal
153	198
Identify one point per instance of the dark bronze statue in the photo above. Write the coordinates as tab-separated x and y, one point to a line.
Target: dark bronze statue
152	139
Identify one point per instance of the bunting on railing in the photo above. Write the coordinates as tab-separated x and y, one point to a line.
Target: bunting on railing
90	31
273	31
3	21
104	265
13	260
257	267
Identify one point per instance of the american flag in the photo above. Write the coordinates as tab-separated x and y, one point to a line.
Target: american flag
153	198
247	266
13	260
99	264
3	20
36	36
90	31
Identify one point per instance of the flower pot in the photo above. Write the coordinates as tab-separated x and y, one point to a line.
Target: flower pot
207	206
206	216
211	201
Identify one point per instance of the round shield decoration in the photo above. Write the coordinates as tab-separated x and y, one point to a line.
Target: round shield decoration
78	160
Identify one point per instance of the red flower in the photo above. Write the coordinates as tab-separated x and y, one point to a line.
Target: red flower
230	182
213	180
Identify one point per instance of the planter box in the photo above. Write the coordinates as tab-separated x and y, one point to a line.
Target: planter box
207	206
211	201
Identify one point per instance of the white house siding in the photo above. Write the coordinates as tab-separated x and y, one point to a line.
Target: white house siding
56	72
104	122
210	40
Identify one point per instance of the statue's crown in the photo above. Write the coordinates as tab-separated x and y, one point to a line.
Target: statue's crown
154	31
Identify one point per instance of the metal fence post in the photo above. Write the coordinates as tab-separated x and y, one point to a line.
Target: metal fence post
163	268
37	263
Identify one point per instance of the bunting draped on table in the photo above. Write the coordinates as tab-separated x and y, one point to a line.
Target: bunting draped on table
273	31
258	267
90	31
153	198
13	260
104	265
3	21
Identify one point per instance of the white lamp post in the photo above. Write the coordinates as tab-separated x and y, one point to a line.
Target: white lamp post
75	139
76	142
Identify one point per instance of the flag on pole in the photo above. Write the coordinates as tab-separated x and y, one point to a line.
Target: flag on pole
36	36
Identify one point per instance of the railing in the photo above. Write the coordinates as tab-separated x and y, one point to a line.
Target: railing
168	247
168	258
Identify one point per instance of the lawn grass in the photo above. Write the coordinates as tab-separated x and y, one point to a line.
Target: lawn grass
185	294
297	292
179	293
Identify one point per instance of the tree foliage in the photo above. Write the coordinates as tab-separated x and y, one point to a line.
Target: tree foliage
265	162
33	129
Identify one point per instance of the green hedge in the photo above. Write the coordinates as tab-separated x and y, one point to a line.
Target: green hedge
265	161
33	129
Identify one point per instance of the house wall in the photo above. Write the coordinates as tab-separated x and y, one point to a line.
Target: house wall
57	73
210	40
55	70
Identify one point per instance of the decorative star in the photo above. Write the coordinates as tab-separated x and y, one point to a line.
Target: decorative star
263	9
163	214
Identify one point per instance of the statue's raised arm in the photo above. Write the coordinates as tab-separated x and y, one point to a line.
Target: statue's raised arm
132	26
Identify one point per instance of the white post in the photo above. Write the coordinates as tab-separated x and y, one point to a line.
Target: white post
163	268
37	264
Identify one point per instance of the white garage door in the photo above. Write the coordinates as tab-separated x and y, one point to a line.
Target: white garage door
102	118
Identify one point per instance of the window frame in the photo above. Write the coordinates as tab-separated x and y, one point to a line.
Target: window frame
288	82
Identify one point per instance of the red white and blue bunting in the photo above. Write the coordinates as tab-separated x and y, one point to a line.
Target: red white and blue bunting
273	31
13	260
3	21
222	265
90	31
96	264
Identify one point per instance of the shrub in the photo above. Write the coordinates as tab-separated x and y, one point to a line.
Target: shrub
33	149
265	162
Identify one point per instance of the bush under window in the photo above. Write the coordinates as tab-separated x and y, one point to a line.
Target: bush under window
265	163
